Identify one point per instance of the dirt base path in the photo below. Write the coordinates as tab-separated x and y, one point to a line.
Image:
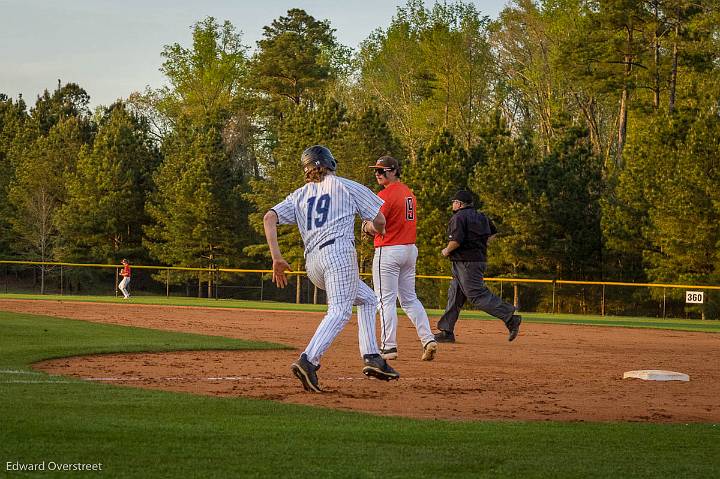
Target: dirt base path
551	372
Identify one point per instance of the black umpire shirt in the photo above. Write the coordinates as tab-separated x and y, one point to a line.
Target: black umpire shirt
471	229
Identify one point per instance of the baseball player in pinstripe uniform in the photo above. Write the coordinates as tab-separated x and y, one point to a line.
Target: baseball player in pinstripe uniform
324	210
394	261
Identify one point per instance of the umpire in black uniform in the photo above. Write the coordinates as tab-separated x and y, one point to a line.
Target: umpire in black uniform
468	235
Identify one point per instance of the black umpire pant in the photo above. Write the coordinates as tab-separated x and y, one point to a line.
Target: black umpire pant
468	283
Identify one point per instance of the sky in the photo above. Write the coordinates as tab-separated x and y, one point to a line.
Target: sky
112	48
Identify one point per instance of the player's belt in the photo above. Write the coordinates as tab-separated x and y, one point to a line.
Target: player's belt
327	243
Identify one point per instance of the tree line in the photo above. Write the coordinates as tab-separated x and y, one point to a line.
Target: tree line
588	130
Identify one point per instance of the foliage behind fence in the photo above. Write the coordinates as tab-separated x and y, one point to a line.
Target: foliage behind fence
532	295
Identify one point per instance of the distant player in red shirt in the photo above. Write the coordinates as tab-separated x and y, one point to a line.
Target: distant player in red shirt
125	273
394	261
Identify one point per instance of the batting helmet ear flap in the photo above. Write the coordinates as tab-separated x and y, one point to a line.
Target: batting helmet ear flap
318	156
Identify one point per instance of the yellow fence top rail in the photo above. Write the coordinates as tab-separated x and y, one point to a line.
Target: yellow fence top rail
420	276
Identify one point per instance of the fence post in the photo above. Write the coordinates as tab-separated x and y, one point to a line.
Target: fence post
117	273
261	286
167	283
61	281
553	297
663	303
602	304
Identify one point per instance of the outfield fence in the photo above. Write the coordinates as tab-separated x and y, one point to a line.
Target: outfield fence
531	295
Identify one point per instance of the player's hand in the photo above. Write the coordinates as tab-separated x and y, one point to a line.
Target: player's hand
279	277
445	252
365	232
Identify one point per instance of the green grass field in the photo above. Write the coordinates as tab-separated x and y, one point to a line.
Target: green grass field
138	433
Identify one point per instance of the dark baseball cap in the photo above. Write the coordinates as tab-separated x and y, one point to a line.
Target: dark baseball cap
463	195
386	162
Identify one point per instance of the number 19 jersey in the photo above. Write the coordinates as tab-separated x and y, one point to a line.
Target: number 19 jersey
325	211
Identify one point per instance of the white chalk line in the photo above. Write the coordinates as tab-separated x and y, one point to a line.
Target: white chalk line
16	371
225	378
20	381
176	378
241	378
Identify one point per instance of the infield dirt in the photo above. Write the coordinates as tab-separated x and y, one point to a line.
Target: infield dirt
551	372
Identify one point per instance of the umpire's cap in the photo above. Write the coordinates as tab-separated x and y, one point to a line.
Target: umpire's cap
318	156
463	196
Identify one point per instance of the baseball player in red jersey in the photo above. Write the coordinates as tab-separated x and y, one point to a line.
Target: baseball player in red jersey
394	261
125	273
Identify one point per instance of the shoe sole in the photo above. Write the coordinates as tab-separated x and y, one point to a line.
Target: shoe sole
304	379
376	373
389	355
430	351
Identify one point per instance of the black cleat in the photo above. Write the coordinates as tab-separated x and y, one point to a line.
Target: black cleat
514	326
445	336
306	372
377	367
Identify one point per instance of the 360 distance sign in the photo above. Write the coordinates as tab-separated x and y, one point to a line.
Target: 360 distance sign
696	297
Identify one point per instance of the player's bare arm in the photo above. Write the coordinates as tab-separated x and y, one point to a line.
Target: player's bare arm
451	246
279	264
378	224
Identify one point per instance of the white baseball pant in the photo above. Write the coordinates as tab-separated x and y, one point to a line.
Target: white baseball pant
393	279
334	268
123	286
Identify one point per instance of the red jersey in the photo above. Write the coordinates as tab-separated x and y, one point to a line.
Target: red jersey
126	271
400	210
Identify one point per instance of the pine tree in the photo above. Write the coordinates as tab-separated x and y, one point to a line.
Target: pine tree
502	180
199	217
568	186
103	216
442	168
294	60
684	214
39	187
69	100
13	117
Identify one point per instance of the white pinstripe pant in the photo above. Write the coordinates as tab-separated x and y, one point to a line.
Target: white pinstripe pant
334	268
